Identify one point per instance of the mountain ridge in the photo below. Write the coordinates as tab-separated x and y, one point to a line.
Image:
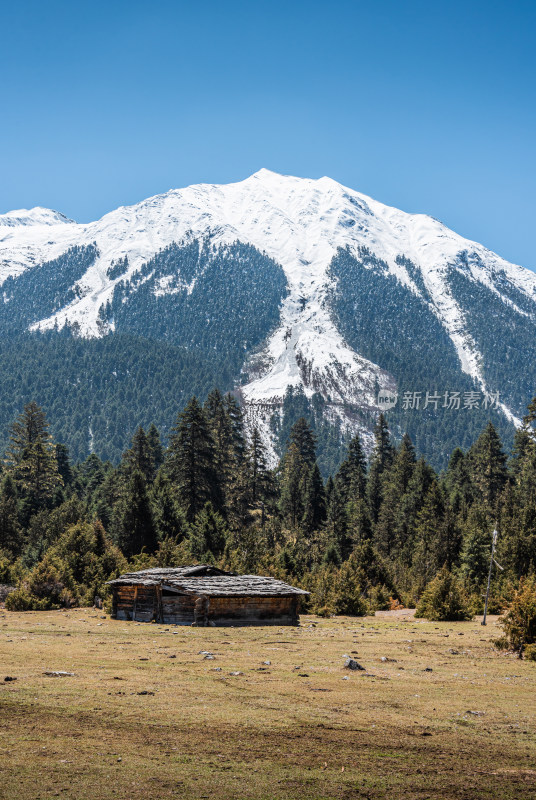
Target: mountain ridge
305	226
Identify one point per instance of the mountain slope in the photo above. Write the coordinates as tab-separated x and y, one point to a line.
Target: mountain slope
353	295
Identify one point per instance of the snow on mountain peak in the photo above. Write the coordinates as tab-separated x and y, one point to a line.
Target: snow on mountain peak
301	223
33	216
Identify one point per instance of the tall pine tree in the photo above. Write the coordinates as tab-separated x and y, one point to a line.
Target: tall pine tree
190	461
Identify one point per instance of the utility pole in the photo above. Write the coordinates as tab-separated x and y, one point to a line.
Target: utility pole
492	559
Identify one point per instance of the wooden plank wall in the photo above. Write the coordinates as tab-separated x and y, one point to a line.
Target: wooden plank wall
253	610
135	602
144	603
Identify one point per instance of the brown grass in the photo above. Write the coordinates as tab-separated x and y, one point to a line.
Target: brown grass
291	729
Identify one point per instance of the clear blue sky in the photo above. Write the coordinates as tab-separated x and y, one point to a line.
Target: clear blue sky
428	106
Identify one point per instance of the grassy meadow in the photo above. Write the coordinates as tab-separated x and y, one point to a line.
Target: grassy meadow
147	715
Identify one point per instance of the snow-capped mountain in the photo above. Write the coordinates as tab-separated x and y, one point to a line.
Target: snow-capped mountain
327	239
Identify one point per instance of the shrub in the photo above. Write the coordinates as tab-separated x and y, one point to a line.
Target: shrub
347	591
530	652
22	600
46	584
43	589
520	621
321	585
444	600
379	598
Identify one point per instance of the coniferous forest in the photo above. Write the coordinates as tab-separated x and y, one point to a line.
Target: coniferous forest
374	535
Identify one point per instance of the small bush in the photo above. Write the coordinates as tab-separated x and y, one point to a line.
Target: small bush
379	598
520	621
444	600
325	611
45	583
22	600
530	652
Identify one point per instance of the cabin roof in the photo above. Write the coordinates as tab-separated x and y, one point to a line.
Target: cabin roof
204	579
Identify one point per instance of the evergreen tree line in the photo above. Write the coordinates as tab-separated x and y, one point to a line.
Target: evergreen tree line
377	533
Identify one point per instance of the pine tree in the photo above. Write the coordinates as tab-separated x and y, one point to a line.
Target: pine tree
155	446
190	461
390	531
258	478
351	477
225	461
336	520
32	457
236	417
488	463
529	420
139	457
293	470
134	521
475	555
427	552
314	501
168	518
382	457
11	535
458	483
358	526
64	464
208	534
303	437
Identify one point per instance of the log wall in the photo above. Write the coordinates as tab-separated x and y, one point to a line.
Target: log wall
134	602
253	610
145	603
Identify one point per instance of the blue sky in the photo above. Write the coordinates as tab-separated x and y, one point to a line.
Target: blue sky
427	106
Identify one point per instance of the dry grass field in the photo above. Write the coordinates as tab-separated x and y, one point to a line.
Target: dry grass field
146	715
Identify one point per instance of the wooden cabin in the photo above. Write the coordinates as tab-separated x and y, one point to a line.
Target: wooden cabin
204	595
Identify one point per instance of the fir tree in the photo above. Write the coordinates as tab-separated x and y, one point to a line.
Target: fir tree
381	459
208	534
358	526
428	534
303	437
32	457
10	531
139	457
444	599
391	531
314	502
236	417
403	465
134	521
258	477
476	548
155	446
336	521
458	483
168	518
529	420
351	477
293	470
190	461
488	463
64	464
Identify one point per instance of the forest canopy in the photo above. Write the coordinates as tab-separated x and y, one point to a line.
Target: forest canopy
380	531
